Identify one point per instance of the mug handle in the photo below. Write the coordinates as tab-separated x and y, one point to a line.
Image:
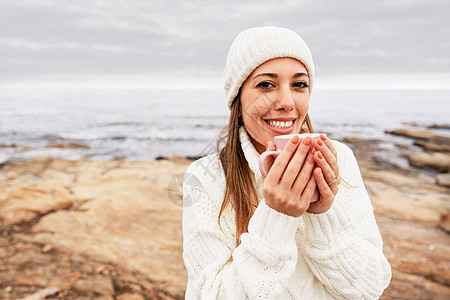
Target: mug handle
262	159
315	196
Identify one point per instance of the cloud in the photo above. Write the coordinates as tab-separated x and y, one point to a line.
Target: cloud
41	40
32	45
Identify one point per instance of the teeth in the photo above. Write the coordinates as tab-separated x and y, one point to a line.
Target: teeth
281	125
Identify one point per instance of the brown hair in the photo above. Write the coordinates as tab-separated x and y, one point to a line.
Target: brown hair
240	188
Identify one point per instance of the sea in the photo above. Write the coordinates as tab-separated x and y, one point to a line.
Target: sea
154	123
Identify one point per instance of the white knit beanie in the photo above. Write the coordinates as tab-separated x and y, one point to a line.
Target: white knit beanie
254	46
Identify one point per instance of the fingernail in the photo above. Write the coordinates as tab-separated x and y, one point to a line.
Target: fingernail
267	145
320	155
323	137
319	142
295	139
313	150
307	141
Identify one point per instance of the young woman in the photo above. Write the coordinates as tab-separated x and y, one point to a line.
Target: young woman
249	237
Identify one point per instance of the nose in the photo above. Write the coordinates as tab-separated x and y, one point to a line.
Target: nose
284	100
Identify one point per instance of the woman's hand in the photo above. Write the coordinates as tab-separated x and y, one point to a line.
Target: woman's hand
326	174
289	184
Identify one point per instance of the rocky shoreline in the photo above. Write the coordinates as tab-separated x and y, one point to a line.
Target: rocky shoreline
436	155
111	229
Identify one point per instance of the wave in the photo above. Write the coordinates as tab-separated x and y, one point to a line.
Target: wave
154	123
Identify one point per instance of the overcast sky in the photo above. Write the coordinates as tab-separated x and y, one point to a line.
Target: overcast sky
177	44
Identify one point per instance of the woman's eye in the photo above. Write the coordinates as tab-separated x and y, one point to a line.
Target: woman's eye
265	85
300	84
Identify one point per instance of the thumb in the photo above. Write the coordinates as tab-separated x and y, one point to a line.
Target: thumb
270	146
269	160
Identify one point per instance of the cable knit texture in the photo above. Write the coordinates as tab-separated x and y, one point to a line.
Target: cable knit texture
334	255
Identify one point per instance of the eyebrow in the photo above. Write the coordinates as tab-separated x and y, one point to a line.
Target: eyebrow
273	75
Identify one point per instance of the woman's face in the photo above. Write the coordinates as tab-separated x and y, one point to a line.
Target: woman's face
274	100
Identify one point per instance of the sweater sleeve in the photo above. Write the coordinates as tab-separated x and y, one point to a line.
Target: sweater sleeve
260	266
343	246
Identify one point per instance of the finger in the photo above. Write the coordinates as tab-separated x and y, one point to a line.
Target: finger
328	143
304	175
297	165
309	189
323	143
268	162
326	193
270	146
282	160
327	171
327	153
330	178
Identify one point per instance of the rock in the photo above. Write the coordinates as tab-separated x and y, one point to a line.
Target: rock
417	255
398	196
119	221
439	147
10	217
179	159
32	280
408	209
436	160
444	222
47	248
37	167
439	126
412	124
95	285
8	145
130	296
24	203
443	179
96	298
123	231
419	134
26	270
70	145
352	139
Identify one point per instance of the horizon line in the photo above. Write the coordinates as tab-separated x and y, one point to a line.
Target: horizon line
355	81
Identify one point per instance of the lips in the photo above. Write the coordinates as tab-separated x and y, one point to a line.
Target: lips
281	125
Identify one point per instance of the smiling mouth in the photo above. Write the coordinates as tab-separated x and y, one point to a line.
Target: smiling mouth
280	124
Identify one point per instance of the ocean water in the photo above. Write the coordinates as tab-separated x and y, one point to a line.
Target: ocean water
145	124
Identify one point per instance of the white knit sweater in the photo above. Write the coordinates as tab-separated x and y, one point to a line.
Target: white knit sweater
334	255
